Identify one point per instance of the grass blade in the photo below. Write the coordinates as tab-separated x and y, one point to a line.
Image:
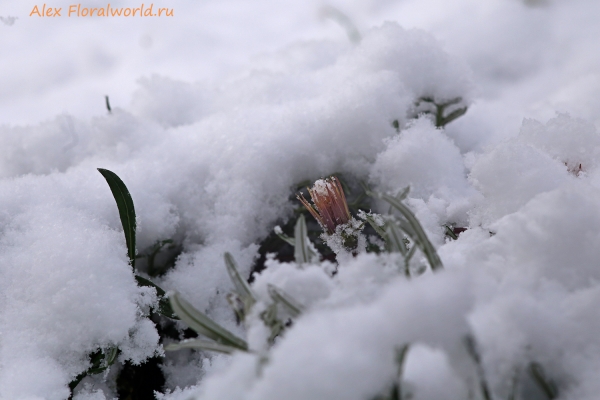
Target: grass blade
301	248
394	239
241	285
126	210
164	306
201	344
403	194
370	218
416	232
283	236
450	233
545	384
204	325
471	346
111	355
514	387
400	362
304	241
279	296
237	305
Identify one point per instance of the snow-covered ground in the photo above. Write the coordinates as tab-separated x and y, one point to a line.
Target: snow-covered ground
221	110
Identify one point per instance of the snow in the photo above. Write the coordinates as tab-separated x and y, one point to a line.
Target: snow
219	113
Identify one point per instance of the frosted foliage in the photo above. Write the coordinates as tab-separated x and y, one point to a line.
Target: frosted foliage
212	164
536	275
199	172
364	329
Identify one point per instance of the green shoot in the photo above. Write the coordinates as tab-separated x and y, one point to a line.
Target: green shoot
126	210
241	285
288	302
302	252
204	325
441	118
201	344
545	384
471	346
411	226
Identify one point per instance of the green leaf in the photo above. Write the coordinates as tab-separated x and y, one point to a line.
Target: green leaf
111	355
126	210
241	285
269	317
403	194
302	252
201	344
450	232
203	324
279	296
400	362
370	218
514	387
237	305
100	360
284	237
454	115
164	306
473	351
395	239
546	385
413	228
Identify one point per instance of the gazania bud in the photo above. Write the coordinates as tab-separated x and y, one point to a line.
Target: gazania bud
330	208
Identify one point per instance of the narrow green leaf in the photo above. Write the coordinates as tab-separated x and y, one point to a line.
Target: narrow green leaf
450	232
546	385
403	194
111	355
269	317
451	102
100	360
514	385
454	115
279	296
164	306
126	210
237	305
293	241
201	344
418	234
471	346
241	285
407	259
400	362
380	229
283	236
203	324
395	239
301	248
